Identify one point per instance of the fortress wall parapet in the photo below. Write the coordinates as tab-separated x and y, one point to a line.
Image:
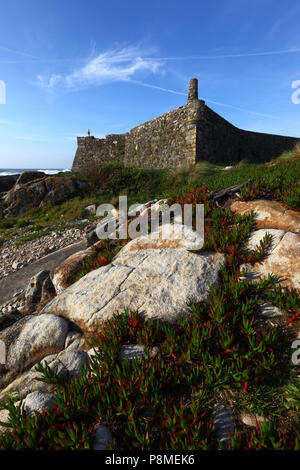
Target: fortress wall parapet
92	151
185	135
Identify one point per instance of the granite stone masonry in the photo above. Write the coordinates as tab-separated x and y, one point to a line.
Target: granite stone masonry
185	135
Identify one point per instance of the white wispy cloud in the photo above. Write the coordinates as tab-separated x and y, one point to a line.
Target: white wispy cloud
113	65
14	51
230	56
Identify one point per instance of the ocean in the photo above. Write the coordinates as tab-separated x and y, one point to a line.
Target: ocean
17	171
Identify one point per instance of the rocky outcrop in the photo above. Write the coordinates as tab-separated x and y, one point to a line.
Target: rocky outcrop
38	193
145	281
7	182
269	214
283	259
28	176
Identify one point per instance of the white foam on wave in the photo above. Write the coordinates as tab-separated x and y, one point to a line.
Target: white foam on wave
53	172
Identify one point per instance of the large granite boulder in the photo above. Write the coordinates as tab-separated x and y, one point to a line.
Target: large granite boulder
269	214
38	193
157	282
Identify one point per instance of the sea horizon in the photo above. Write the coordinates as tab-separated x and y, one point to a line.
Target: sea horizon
17	171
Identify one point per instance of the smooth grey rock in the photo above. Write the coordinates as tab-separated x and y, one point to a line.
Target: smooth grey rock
40	336
102	438
37	402
223	421
69	363
131	351
268	310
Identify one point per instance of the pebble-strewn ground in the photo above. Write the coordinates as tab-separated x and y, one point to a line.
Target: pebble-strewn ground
13	258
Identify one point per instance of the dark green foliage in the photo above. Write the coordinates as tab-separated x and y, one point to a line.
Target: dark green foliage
165	402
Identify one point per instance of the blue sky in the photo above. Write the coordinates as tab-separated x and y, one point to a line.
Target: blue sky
108	66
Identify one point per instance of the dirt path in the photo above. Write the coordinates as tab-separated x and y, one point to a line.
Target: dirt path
17	281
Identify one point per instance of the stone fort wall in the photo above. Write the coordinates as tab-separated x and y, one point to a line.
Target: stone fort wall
188	134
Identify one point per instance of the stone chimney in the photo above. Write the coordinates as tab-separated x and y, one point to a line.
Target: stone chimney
193	90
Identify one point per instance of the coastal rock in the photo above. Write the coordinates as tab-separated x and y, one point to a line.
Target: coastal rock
283	259
37	402
28	176
25	383
72	337
4	418
69	364
131	351
257	235
38	193
269	214
134	351
156	283
223	421
8	319
7	182
167	236
64	275
40	336
102	438
39	285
